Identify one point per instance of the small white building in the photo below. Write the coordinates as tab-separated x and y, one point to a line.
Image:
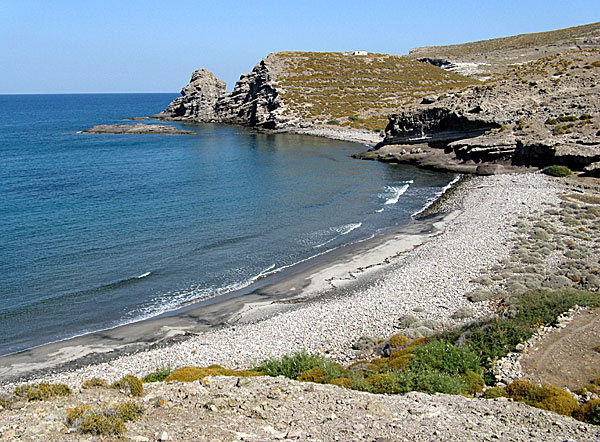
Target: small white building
360	53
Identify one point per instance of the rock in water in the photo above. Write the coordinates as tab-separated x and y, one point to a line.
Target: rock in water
198	99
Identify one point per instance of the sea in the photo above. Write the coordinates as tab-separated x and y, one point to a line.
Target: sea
102	230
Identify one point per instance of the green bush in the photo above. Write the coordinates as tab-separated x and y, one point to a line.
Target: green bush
130	384
334	122
384	383
129	411
542	307
297	364
546	397
557	171
99	424
589	412
158	375
494	392
430	382
94	383
191	374
42	391
474	382
444	357
495	338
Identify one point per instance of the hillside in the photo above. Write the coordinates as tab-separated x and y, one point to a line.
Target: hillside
482	58
300	89
540	111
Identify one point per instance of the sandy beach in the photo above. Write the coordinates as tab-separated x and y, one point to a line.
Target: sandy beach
324	305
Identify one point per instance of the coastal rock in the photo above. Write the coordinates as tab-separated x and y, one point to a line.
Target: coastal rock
138	128
254	101
198	99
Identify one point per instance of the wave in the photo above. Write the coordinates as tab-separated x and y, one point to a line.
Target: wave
143	275
341	231
434	198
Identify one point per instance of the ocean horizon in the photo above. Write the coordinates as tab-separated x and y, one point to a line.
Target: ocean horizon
100	230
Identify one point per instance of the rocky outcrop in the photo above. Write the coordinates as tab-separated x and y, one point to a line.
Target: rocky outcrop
138	128
434	125
533	115
254	101
198	99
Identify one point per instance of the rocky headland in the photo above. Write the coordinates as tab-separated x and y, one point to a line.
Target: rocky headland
500	105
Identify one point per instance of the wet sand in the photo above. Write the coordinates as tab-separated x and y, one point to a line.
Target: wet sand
321	276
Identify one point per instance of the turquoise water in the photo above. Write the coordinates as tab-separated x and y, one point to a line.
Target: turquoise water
101	230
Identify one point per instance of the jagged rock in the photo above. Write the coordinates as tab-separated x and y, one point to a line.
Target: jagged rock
198	99
254	100
592	170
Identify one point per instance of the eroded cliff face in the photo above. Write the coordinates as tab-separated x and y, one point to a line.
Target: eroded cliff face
253	102
537	114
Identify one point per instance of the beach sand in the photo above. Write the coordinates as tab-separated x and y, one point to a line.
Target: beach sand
323	305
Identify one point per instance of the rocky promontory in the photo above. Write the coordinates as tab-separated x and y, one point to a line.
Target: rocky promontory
139	128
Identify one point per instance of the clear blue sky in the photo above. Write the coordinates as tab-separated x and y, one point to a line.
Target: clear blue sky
64	46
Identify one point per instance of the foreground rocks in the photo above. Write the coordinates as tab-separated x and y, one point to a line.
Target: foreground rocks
138	128
263	408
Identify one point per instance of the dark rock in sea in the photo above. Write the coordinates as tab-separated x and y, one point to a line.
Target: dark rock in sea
138	128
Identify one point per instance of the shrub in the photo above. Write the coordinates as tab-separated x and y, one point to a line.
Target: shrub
494	392
191	374
519	390
129	411
430	382
341	382
443	357
298	363
589	412
557	171
74	414
158	375
495	338
315	374
6	401
384	383
94	383
130	384
99	424
398	340
400	362
473	381
334	122
42	391
553	399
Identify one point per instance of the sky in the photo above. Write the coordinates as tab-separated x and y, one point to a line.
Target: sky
89	46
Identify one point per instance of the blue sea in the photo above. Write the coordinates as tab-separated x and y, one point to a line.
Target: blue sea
102	230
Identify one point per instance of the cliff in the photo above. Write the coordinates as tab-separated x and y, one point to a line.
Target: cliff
539	111
310	89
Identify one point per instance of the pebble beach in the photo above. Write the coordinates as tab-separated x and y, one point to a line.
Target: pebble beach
429	282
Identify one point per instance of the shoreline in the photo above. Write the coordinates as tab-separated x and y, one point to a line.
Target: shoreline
303	282
428	279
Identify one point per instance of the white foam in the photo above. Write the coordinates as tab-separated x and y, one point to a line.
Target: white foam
341	231
143	275
397	192
431	200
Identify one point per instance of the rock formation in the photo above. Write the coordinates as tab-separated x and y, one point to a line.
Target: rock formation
198	99
138	128
541	111
253	102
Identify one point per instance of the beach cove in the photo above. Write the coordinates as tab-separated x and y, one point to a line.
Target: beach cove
425	271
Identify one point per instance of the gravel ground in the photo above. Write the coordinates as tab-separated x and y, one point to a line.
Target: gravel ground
271	409
428	282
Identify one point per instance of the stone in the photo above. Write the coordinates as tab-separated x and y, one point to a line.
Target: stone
138	128
164	436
